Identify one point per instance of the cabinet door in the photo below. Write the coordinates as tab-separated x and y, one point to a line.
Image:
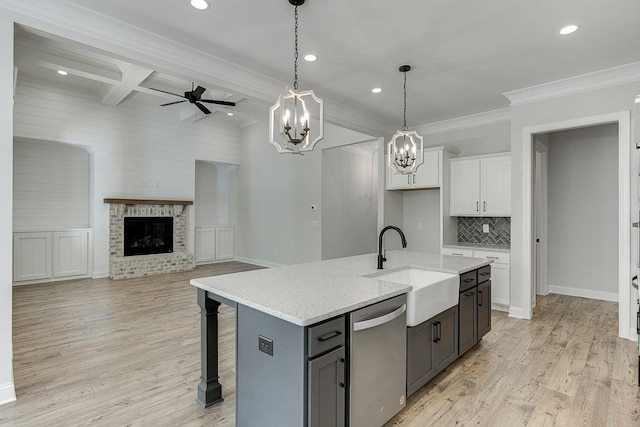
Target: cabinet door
326	392
205	244
428	173
31	256
484	309
465	188
446	347
468	319
225	243
420	367
496	186
397	181
500	283
70	253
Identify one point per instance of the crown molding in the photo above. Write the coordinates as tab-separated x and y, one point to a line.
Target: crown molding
473	120
80	24
582	83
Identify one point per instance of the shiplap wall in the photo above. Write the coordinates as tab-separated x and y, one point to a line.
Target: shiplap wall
214	197
50	185
136	151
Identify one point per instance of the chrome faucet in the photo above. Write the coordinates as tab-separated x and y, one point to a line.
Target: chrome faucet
382	258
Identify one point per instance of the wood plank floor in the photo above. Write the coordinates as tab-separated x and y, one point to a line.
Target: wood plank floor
112	353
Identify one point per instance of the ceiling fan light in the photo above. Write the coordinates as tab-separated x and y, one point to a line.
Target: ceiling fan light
200	4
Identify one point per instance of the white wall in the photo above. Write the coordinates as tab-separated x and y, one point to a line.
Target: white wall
472	141
136	152
51	185
585	104
423	207
7	392
349	200
275	194
583	211
215	194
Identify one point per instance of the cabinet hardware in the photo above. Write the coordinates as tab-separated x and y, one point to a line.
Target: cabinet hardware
468	280
484	206
485	273
342	364
328	336
457	254
409	179
493	257
434	331
479	298
477	206
414	178
468	294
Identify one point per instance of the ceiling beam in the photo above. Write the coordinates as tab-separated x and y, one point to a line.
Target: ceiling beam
132	76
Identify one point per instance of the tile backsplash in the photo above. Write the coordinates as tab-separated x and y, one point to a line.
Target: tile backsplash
470	230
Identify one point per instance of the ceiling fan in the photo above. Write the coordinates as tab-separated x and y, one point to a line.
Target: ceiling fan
195	97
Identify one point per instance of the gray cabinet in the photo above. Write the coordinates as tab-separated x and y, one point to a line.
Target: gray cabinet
327	406
468	319
484	308
431	347
326	370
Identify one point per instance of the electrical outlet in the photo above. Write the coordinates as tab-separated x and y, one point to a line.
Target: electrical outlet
265	345
485	228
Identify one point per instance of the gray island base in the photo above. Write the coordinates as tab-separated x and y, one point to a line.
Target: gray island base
293	336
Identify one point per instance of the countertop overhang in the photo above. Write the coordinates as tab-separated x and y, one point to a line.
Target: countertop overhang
304	294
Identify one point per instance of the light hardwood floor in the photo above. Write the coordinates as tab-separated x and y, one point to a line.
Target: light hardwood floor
114	353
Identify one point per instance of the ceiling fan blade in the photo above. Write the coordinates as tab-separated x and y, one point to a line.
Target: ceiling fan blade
164	91
203	108
197	92
171	103
213	101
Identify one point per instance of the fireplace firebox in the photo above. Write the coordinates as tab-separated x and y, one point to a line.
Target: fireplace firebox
148	235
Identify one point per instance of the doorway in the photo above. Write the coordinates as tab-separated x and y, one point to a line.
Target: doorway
622	120
349	200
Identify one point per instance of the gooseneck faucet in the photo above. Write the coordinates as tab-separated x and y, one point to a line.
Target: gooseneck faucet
382	258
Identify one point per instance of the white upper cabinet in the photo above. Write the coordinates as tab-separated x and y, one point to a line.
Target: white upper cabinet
426	176
481	186
495	180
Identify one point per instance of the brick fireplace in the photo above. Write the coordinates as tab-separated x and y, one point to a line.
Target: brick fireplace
121	266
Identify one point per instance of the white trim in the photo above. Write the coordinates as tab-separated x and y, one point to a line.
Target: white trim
473	120
7	393
516	312
100	274
624	207
582	83
633	334
258	262
584	293
500	307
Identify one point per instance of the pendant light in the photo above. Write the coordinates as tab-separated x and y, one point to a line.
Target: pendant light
296	120
405	149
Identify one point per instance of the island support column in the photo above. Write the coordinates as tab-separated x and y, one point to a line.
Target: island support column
209	389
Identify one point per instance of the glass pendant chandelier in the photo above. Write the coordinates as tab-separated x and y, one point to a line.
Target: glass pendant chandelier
405	149
296	120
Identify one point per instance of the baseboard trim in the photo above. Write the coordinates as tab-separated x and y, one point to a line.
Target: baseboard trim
100	274
7	393
258	262
516	312
583	293
499	307
633	334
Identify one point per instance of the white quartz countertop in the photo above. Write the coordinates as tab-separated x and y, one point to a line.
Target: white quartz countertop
304	294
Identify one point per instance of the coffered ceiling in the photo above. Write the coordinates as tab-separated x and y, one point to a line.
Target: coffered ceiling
464	53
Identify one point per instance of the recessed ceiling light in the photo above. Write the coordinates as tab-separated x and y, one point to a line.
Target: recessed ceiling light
638	99
376	90
568	29
310	57
200	4
62	72
229	114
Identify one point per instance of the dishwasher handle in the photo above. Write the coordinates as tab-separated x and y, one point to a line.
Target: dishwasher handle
377	321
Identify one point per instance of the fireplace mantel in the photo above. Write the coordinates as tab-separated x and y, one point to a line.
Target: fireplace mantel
148	202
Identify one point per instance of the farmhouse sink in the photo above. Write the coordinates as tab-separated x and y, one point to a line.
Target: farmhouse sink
433	292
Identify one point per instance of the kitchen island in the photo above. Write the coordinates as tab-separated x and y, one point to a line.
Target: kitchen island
276	310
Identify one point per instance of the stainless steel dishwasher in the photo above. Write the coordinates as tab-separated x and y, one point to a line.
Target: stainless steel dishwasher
378	362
